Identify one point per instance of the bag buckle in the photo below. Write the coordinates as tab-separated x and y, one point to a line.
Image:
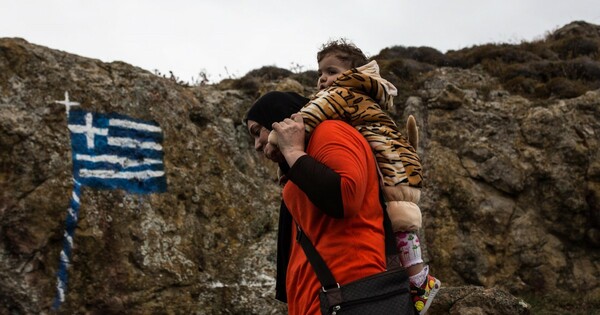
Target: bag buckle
325	290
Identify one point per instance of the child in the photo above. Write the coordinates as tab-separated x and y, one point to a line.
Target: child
357	95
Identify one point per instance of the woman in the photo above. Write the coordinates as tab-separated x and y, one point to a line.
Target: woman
332	192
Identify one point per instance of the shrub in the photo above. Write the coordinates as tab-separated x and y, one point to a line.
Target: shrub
547	70
404	69
505	53
308	78
509	72
246	83
583	68
422	54
390	53
563	88
573	47
521	85
541	49
270	73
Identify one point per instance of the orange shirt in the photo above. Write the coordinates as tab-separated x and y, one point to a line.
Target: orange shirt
352	247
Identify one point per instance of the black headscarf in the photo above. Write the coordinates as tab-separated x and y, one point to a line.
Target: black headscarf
274	107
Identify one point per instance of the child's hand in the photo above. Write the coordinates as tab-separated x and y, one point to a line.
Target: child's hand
273	138
272	153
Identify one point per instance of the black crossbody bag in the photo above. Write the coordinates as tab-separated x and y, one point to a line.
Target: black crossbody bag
387	292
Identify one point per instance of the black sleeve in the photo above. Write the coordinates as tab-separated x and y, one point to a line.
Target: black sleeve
284	235
320	183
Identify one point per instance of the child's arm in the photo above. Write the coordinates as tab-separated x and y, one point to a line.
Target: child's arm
328	104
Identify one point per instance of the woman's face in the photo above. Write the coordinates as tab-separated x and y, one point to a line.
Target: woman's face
261	142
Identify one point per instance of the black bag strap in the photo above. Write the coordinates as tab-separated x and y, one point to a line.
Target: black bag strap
324	274
391	251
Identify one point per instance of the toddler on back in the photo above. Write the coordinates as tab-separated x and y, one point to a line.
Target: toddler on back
351	89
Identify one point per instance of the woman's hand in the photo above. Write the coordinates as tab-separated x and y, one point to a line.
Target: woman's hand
290	137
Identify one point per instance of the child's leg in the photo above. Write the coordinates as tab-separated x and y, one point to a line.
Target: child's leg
424	287
409	247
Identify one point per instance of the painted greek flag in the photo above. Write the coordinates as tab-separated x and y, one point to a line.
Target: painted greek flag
110	151
113	151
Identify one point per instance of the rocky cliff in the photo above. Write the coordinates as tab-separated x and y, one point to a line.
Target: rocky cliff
205	246
511	199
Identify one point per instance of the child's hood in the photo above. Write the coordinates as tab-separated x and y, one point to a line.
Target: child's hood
372	70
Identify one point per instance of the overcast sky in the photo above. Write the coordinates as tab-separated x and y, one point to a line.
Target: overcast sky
228	38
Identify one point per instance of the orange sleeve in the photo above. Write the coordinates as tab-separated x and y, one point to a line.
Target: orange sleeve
345	156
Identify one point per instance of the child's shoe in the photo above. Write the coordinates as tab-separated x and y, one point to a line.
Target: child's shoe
424	295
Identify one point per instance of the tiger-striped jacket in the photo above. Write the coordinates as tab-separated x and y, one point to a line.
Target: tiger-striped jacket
357	96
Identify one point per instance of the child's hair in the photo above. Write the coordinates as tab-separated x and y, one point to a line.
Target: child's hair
345	51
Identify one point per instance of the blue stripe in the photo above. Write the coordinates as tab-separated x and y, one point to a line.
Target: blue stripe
101	147
77	116
101	120
71	223
63	264
73	204
117	167
136	134
101	142
151	185
67	247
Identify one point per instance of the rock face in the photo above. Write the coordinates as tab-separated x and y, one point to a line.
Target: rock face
511	200
512	187
206	246
512	193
